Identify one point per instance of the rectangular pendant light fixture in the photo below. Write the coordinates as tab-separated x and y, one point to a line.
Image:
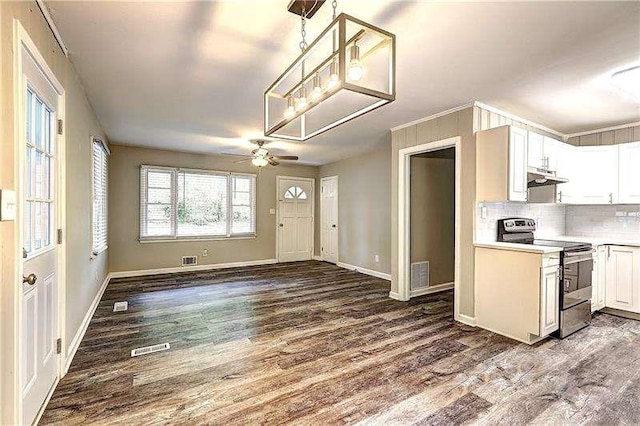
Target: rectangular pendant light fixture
347	71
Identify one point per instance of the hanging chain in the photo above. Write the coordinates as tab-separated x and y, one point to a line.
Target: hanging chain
303	30
335	6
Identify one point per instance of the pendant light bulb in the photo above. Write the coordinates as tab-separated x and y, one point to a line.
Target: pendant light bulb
316	93
356	71
334	79
302	100
290	111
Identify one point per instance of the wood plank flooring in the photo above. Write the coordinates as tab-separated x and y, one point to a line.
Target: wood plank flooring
311	343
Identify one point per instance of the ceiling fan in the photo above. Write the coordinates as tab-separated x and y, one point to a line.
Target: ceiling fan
260	156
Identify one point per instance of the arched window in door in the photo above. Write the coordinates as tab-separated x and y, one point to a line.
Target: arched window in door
295	193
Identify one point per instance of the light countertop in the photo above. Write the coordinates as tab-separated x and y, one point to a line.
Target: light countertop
529	248
597	241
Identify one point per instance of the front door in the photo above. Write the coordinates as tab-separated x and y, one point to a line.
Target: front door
329	219
39	322
295	220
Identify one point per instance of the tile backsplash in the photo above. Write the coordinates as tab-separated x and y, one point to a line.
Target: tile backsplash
616	222
550	218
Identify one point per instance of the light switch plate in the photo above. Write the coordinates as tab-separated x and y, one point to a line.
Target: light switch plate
272	211
484	212
7	204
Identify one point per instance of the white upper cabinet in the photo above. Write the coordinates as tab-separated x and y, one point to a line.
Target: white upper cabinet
536	151
518	165
597	176
550	153
501	164
629	173
568	167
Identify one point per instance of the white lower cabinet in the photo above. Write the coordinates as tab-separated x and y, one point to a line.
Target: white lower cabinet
623	278
599	278
549	300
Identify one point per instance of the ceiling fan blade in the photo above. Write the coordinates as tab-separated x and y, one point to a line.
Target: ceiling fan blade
244	160
285	157
272	161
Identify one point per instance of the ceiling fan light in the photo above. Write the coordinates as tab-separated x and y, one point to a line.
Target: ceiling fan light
259	161
261	152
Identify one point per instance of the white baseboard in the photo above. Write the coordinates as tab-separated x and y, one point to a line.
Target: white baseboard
365	271
433	289
141	272
317	258
75	343
466	319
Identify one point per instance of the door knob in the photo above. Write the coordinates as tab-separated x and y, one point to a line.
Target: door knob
281	225
30	279
333	226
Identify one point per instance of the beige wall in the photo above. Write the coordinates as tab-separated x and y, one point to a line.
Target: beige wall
364	213
610	137
128	254
433	216
460	123
84	275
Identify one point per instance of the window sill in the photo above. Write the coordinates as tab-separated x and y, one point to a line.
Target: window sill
97	253
195	239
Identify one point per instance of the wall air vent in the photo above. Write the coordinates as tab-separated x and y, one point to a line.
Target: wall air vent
419	275
189	260
150	349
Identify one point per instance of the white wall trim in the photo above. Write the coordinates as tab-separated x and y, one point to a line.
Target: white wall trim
430	290
431	117
142	272
365	271
77	339
395	295
403	217
318	258
466	319
52	26
604	129
518	119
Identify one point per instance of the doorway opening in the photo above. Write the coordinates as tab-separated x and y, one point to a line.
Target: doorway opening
429	220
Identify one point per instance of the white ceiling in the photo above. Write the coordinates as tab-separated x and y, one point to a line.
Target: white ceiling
191	75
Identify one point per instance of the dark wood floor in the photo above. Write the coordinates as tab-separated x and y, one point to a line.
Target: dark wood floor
310	343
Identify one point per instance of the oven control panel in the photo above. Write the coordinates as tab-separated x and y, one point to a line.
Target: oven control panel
517	225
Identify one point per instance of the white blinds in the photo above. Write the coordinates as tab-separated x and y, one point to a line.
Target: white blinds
183	203
100	193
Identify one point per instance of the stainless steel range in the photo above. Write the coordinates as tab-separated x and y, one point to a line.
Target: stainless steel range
576	261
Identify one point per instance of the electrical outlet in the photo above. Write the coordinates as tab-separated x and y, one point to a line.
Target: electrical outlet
376	258
205	252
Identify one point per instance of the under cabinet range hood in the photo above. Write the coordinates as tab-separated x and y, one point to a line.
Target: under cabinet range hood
540	177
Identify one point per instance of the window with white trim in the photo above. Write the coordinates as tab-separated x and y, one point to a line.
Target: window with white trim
190	204
99	195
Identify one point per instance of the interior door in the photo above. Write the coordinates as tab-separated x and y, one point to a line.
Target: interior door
295	220
39	322
329	219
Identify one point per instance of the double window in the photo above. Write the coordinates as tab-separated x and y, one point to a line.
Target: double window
184	203
100	190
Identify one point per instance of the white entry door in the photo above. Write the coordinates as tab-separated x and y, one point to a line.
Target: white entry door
295	219
39	359
329	219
